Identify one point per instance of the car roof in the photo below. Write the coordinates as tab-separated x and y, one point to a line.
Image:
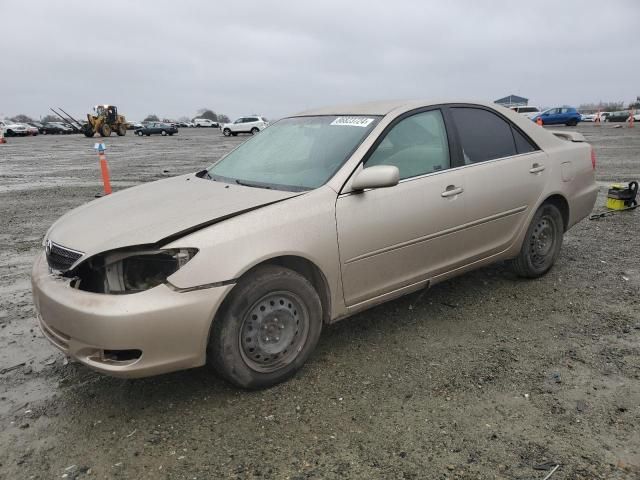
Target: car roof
386	107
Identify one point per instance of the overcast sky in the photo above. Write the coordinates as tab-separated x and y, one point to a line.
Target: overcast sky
273	58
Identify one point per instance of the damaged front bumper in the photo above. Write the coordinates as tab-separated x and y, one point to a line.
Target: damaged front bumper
148	333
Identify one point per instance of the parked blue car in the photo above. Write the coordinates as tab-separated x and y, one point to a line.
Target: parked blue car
560	115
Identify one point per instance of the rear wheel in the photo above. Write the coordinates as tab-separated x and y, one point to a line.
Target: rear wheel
542	243
140	133
105	131
572	123
266	329
163	133
226	132
122	131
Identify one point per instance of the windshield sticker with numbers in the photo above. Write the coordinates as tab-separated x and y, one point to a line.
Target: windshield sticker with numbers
352	121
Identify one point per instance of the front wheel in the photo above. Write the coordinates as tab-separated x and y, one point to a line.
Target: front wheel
105	131
572	123
226	132
254	131
121	131
163	133
140	133
266	329
542	243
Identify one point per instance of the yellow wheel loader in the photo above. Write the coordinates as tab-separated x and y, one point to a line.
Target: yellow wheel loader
104	121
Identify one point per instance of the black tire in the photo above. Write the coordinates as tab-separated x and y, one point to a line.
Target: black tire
255	130
121	130
572	123
198	126
9	133
542	243
148	134
140	133
226	132
235	134
163	133
240	348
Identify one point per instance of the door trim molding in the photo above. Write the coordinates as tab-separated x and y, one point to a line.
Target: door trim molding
442	233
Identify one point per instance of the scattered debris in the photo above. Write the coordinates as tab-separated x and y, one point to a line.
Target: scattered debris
8	369
134	431
581	406
551	472
545	466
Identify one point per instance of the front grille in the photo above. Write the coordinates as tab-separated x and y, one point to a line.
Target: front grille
60	258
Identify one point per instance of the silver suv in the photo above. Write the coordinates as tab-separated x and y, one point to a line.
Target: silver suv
250	125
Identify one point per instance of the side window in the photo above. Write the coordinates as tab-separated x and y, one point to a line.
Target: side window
483	135
416	145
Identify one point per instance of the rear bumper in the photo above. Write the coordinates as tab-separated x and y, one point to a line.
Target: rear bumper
169	328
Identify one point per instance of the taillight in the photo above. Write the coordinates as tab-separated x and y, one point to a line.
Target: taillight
593	158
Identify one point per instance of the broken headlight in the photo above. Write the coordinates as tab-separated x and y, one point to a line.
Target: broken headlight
130	271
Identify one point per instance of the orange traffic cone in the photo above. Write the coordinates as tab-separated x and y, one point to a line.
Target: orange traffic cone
596	120
539	121
631	119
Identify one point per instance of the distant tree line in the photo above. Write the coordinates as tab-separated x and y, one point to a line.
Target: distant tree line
608	106
202	113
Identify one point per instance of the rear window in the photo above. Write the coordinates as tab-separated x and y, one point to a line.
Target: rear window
528	109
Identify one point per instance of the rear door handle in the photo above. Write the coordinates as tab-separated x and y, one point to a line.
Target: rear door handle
536	168
452	190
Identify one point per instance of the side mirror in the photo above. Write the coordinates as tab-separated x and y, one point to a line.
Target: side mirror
378	176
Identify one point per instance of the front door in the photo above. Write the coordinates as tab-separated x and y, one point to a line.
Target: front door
394	237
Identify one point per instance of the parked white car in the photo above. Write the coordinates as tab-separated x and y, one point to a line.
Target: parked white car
205	122
11	129
252	125
591	117
528	110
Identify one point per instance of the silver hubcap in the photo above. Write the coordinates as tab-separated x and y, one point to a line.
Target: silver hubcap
274	331
542	242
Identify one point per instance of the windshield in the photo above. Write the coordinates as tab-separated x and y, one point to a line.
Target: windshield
298	153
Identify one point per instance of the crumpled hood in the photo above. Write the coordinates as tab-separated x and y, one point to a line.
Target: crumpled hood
151	212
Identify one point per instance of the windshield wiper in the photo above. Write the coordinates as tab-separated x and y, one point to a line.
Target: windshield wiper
244	183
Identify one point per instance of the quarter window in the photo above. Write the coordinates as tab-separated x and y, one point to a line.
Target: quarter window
483	135
417	145
523	145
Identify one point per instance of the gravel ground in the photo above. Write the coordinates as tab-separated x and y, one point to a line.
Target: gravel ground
484	376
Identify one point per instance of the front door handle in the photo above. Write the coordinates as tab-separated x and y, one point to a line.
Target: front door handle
536	168
452	190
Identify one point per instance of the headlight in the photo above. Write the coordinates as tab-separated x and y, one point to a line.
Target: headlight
130	271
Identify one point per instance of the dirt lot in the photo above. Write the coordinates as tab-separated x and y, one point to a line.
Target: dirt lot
484	376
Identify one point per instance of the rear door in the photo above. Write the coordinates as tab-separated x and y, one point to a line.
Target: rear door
251	122
390	238
504	176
